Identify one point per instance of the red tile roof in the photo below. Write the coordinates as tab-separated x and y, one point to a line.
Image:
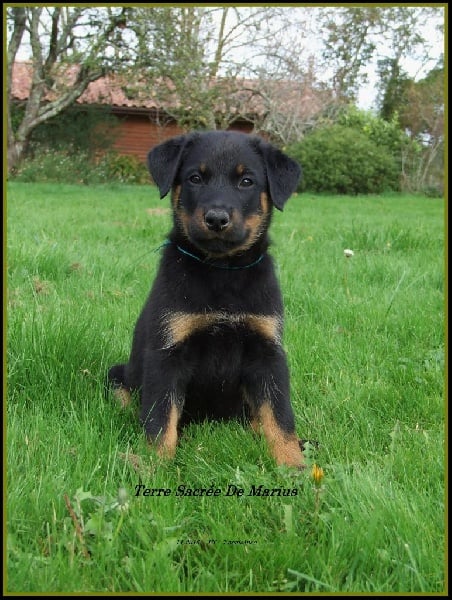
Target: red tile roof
253	97
106	90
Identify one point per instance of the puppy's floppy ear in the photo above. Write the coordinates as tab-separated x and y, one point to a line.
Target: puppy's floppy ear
164	161
283	174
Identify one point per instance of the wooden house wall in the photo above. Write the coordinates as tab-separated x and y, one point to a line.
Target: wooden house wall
138	133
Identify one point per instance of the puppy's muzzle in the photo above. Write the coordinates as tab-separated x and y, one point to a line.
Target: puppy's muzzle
217	219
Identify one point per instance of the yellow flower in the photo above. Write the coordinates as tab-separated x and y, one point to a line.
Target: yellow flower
317	474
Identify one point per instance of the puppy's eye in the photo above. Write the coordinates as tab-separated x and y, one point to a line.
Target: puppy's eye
246	182
195	179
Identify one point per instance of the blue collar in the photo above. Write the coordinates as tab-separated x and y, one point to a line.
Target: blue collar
212	264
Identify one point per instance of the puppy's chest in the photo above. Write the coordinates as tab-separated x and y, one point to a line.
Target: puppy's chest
178	327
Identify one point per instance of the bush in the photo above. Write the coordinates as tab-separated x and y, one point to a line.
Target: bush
343	160
125	168
83	128
59	166
379	131
74	166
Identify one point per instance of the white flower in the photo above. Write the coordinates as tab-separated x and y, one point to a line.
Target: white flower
348	253
122	503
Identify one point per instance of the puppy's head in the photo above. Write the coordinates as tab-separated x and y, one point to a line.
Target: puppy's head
224	185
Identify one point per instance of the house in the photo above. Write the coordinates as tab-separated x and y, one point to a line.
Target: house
144	121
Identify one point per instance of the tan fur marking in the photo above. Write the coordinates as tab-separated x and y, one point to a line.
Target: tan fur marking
256	224
122	395
185	220
255	425
283	446
198	217
175	196
202	168
240	169
269	326
179	326
264	203
168	442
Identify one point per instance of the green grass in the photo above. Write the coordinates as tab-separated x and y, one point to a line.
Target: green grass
365	342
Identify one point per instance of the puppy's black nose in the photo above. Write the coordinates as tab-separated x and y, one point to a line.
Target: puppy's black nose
216	219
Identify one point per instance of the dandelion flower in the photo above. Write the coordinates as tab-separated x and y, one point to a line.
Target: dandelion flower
348	253
317	474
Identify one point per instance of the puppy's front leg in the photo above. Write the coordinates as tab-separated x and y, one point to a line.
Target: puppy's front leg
283	442
161	408
267	393
159	419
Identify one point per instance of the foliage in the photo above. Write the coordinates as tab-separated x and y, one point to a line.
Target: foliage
55	166
381	132
71	165
423	111
124	168
421	115
394	83
83	128
418	105
349	45
352	35
417	160
343	160
190	59
16	115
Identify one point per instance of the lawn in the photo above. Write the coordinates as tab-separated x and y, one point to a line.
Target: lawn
365	338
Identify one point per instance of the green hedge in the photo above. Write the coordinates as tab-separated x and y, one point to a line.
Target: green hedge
341	160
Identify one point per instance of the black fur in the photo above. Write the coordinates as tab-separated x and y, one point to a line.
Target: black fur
208	341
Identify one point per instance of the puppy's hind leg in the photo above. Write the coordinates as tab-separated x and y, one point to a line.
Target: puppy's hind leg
116	381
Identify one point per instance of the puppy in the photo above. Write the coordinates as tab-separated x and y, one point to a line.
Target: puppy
207	344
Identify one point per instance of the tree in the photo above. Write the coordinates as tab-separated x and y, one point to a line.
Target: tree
354	37
195	59
349	46
292	106
423	117
70	47
394	84
287	79
211	66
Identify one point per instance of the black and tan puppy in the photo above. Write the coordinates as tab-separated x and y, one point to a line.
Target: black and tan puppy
208	341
